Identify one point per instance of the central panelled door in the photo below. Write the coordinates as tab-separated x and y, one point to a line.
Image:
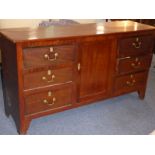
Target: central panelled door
95	69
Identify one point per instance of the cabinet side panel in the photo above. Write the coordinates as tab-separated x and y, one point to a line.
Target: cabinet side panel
10	79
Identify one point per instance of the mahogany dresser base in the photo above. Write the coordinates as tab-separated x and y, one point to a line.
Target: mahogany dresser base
49	70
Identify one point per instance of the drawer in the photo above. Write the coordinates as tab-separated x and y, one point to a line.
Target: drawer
51	99
133	64
135	45
131	82
47	77
53	55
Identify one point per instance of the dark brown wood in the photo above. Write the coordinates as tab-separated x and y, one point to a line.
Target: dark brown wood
34	57
133	64
148	21
48	77
24	122
143	21
92	62
10	80
54	98
73	31
135	45
130	82
95	68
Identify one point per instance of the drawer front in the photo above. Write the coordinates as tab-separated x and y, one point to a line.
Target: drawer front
134	64
47	77
54	98
135	45
131	82
54	55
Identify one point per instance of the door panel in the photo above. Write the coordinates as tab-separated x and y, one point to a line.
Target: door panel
95	66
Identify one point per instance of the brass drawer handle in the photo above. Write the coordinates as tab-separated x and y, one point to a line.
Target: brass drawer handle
132	83
137	44
45	101
47	56
136	65
52	76
44	78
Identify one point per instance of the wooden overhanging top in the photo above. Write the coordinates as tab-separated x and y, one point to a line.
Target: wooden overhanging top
57	32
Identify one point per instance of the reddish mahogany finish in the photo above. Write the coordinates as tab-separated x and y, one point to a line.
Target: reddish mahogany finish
54	98
34	57
130	82
133	64
95	66
135	45
48	70
48	77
